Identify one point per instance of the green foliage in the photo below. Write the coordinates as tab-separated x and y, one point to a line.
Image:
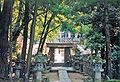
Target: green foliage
45	4
116	53
39	29
40	58
115	3
68	27
95	41
61	9
81	5
50	6
84	19
96	59
113	80
86	29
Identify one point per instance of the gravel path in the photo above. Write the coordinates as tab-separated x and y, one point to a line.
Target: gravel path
76	77
53	77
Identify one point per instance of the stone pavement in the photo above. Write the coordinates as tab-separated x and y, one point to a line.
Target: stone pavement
53	76
76	77
63	76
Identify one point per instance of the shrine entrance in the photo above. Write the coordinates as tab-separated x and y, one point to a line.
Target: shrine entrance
60	53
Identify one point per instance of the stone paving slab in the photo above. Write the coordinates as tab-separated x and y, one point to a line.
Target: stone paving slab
63	76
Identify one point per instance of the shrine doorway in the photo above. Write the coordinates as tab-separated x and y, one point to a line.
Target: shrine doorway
60	53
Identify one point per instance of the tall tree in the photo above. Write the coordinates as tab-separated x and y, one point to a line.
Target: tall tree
32	33
5	21
49	15
107	34
44	33
25	31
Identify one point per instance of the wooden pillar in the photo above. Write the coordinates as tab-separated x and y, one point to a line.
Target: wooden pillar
66	54
51	54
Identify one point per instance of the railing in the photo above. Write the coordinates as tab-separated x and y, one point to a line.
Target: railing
69	39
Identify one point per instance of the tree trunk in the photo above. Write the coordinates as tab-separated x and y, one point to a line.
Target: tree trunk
108	53
43	41
10	53
107	34
118	60
5	21
25	34
32	33
45	34
0	8
40	42
42	34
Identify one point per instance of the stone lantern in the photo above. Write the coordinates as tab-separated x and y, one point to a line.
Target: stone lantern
98	69
39	66
38	69
98	62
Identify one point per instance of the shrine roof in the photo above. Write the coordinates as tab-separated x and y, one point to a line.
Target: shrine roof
62	45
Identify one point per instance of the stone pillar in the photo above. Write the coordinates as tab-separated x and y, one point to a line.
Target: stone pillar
67	54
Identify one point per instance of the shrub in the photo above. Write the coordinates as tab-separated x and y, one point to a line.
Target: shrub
113	80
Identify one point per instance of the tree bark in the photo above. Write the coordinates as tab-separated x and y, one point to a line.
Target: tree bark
118	60
40	48
42	34
107	34
32	33
108	53
0	8
5	20
25	34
